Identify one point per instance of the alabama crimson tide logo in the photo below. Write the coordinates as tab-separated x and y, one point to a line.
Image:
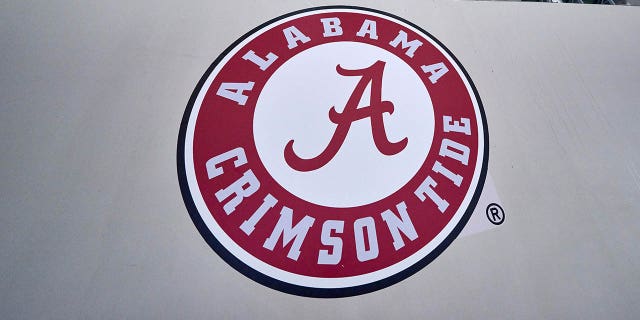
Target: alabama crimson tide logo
332	151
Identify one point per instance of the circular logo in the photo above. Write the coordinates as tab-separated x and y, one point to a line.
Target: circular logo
332	151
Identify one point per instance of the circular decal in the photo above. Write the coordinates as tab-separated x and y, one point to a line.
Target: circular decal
332	151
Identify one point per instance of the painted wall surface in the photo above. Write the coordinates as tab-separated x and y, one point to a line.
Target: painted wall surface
92	223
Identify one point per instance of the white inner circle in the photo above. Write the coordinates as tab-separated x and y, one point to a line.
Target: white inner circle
295	104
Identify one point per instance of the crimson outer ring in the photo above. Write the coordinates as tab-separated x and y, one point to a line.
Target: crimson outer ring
312	291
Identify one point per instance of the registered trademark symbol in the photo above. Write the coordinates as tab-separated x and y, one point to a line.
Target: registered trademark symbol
495	214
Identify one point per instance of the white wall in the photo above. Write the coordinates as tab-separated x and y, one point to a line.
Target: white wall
92	224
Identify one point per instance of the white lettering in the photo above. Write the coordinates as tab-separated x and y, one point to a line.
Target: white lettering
212	164
284	228
262	63
358	228
293	35
235	91
446	151
455	178
402	38
396	225
244	187
249	225
331	27
455	126
333	258
437	70
368	27
426	188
